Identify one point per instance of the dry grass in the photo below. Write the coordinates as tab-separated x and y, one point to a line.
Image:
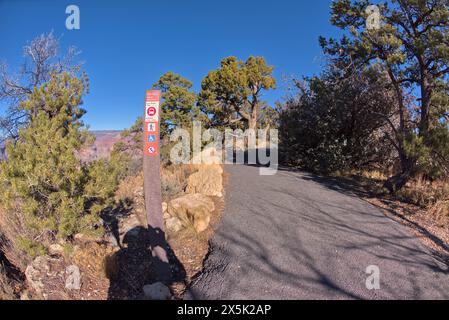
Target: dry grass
174	180
96	259
130	188
440	211
12	225
173	183
424	193
431	196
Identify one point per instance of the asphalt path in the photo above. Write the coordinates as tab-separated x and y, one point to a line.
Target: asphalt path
298	236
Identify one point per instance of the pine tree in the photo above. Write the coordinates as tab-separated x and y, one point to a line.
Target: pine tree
232	93
411	43
54	193
178	108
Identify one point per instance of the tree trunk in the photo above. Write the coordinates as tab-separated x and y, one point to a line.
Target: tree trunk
398	181
252	123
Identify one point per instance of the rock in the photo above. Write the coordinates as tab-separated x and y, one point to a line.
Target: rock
129	223
164	210
113	240
56	249
201	225
42	270
156	291
173	224
130	227
139	192
192	208
81	237
208	181
73	278
25	295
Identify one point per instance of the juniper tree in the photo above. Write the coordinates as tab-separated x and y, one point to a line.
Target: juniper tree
331	124
411	43
232	93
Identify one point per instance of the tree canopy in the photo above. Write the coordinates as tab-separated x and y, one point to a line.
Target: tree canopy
411	43
232	93
46	190
178	108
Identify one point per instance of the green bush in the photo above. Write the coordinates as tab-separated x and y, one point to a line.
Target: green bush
57	195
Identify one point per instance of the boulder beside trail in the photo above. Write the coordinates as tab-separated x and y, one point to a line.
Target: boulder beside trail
192	209
208	180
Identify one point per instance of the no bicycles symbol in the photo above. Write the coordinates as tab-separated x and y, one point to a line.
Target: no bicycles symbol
151	131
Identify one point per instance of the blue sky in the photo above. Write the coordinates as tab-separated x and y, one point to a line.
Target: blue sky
128	45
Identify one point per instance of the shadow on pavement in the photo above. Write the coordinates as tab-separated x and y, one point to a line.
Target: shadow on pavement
301	236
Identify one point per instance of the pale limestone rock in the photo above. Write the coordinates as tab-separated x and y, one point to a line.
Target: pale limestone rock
173	224
73	278
208	156
56	249
38	271
192	209
208	180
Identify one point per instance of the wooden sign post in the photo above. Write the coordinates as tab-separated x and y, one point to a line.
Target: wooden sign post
152	184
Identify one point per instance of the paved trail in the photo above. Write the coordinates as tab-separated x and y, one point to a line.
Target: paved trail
294	236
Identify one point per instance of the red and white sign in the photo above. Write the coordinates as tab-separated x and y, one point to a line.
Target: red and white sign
152	111
151	128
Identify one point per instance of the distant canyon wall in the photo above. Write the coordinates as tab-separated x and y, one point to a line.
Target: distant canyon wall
102	147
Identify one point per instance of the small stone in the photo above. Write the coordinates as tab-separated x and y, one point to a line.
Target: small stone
25	295
73	280
156	291
56	249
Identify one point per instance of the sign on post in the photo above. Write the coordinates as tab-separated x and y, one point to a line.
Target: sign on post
151	130
152	184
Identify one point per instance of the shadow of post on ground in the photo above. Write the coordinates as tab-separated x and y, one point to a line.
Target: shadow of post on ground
135	266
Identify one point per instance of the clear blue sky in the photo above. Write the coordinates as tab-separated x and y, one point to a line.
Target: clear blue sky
128	45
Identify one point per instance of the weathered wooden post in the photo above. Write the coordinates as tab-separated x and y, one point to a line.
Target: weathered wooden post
152	185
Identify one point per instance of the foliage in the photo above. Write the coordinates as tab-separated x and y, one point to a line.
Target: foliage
178	108
232	93
411	45
41	61
334	123
129	148
56	194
